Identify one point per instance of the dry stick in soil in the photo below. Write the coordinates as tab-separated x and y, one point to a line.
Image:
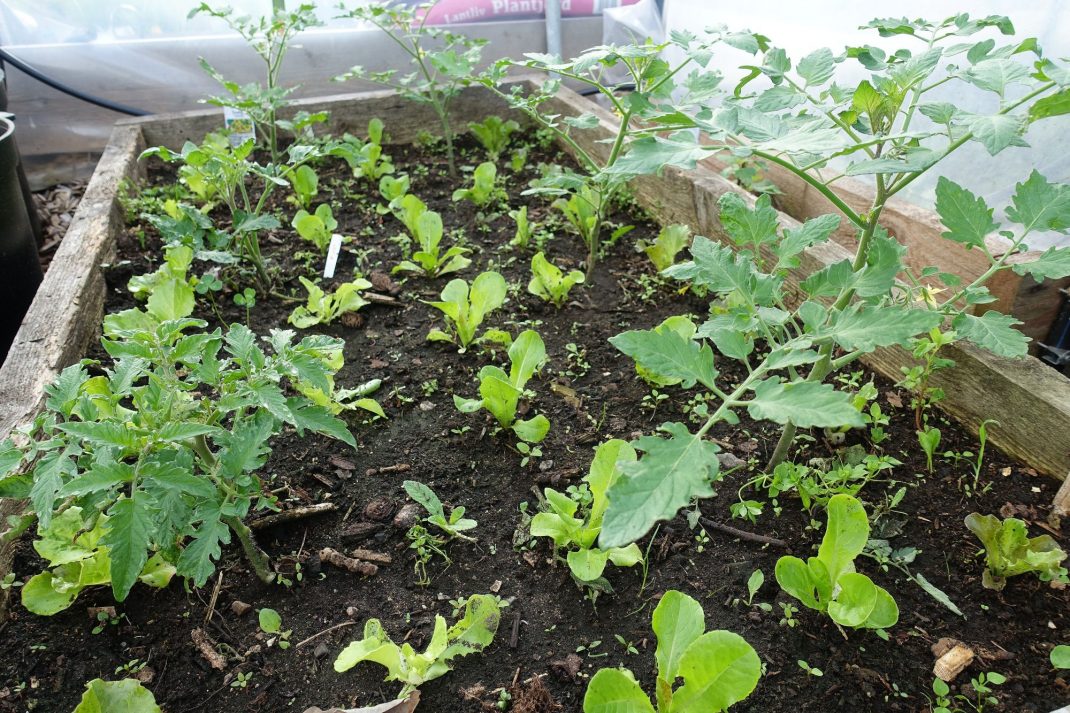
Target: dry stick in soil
290	515
333	556
743	535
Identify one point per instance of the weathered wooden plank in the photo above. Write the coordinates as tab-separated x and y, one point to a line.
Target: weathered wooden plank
66	312
1030	400
1061	506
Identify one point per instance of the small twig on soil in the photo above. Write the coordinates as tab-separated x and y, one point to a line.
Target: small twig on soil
301	549
215	596
743	535
382	299
290	515
370	556
208	651
333	556
344	624
396	468
515	635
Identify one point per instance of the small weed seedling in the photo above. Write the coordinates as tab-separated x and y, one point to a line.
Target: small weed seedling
241	680
453	526
754	583
425	544
500	392
983	696
718	668
471	634
271	624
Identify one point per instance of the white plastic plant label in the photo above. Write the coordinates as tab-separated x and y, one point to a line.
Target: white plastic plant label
332	256
239	126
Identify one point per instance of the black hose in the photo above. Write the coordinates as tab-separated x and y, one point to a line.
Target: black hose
588	91
70	91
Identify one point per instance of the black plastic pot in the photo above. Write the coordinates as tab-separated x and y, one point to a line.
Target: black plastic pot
1055	350
20	271
27	196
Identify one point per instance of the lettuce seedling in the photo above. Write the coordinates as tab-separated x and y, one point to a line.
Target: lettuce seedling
392	189
493	133
500	392
78	559
305	183
1009	551
549	283
524	228
324	307
829	582
466	307
365	158
426	229
168	290
316	227
583	211
470	635
126	696
454	525
573	521
718	668
484	187
670	241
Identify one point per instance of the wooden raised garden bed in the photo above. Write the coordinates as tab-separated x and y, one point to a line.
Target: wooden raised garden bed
549	630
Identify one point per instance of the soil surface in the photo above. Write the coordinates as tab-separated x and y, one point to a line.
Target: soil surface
548	630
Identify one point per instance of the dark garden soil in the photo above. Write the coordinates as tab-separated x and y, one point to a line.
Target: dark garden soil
548	630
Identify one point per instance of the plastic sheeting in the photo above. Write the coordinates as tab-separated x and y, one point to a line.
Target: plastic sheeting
802	27
143	53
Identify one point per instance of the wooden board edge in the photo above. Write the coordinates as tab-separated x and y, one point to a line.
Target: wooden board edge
350	112
66	312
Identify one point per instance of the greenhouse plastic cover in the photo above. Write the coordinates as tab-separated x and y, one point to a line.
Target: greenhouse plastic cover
144	53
